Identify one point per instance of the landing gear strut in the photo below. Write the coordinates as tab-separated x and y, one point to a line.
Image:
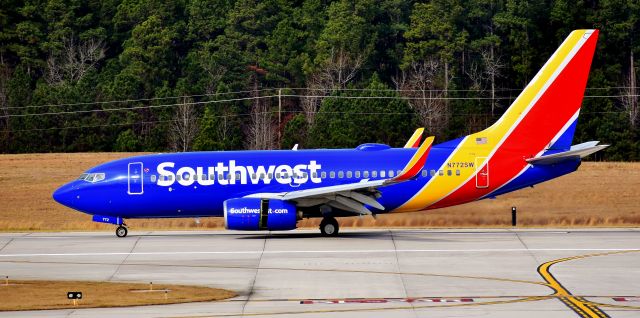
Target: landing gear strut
121	231
329	226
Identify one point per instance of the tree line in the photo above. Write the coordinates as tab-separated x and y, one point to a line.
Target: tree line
149	75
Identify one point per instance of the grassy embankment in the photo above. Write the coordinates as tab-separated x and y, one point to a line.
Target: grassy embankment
36	295
599	194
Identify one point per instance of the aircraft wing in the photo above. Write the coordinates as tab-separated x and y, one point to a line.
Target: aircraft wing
356	196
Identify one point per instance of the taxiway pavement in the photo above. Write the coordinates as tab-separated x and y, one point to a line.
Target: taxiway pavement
362	273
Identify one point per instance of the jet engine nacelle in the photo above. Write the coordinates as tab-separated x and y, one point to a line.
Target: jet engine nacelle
254	214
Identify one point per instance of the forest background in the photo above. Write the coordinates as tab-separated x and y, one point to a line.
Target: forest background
146	75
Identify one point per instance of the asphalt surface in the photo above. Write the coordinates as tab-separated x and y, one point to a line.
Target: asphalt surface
362	273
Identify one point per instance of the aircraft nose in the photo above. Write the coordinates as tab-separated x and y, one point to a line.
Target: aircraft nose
65	195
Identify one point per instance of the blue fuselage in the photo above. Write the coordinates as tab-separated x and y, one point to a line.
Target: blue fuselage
148	186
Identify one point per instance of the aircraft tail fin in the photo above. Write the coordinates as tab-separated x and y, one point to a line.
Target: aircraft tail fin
544	115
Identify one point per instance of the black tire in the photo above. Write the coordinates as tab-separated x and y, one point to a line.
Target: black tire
329	227
121	231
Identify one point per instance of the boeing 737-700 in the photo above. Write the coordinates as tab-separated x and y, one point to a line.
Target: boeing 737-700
274	189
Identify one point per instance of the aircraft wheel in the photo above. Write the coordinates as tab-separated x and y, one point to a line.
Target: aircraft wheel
121	231
329	227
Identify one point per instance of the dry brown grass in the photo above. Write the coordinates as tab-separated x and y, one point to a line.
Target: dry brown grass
599	194
37	295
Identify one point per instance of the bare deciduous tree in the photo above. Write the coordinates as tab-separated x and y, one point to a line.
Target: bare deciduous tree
261	134
314	93
422	83
630	95
340	68
74	61
492	67
477	76
216	73
184	128
336	72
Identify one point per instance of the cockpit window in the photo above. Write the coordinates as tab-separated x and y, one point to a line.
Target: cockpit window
92	177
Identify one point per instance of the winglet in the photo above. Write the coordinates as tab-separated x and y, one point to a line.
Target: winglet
414	141
412	169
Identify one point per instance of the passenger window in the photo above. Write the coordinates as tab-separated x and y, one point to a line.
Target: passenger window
262	176
332	174
253	176
365	174
382	173
285	175
425	173
432	172
448	172
340	174
323	175
178	177
315	174
238	176
457	172
153	178
212	177
398	172
441	172
349	174
374	174
270	176
357	174
391	174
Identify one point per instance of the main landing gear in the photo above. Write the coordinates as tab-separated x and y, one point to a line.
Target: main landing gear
329	226
122	231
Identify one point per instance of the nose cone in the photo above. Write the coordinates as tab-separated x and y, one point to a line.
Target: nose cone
65	195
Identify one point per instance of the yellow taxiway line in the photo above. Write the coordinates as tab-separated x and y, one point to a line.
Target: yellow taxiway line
579	305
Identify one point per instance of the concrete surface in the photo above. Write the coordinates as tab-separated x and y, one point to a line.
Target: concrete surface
362	273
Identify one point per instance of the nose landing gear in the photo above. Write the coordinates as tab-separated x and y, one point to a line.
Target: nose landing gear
121	231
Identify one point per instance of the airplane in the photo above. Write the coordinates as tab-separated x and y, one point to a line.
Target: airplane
272	190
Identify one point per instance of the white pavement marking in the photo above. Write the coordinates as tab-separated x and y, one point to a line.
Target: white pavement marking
497	250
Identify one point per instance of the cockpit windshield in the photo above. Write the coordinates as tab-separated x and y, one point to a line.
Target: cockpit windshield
92	177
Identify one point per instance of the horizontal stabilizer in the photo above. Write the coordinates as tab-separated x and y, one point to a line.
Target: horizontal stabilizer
576	152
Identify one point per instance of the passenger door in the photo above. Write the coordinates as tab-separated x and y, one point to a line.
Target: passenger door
135	178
